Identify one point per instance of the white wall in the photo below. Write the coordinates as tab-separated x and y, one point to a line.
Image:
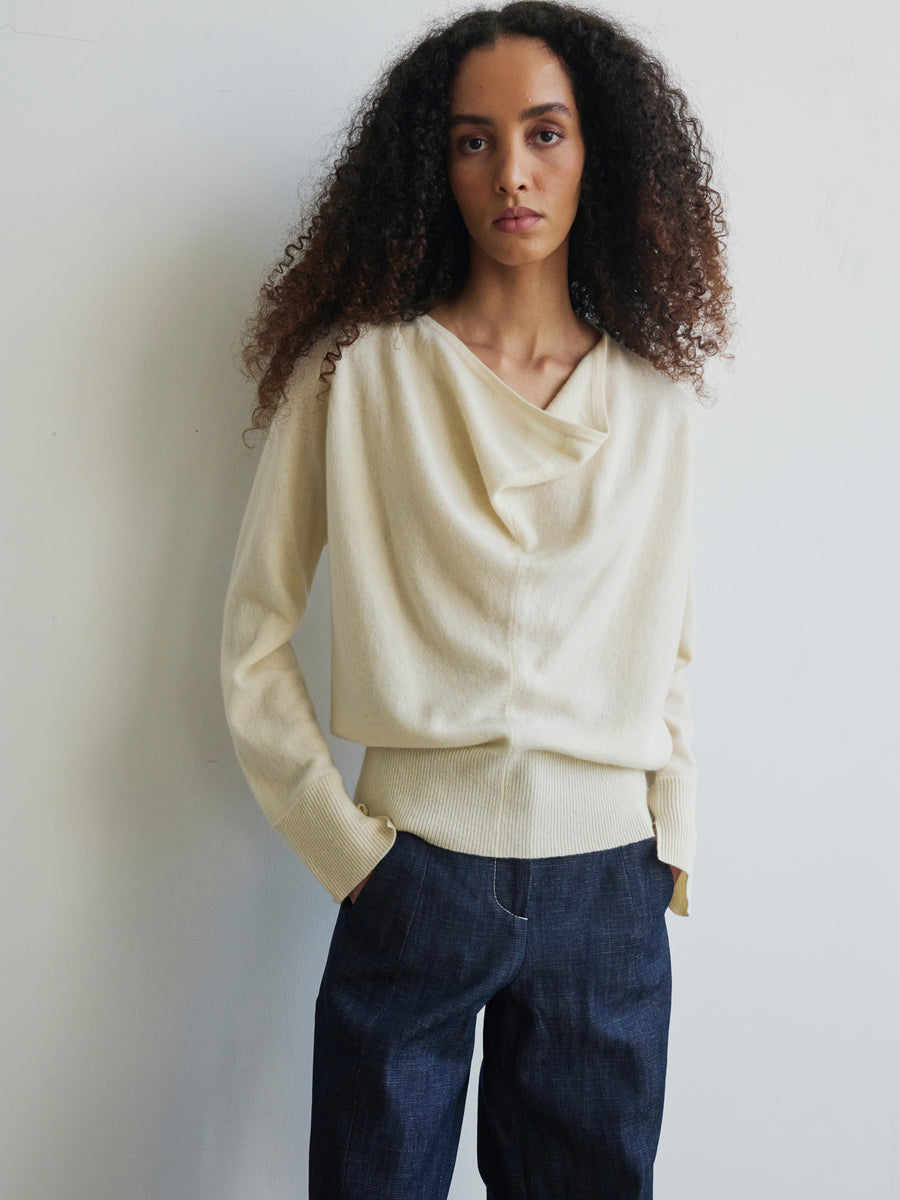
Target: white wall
162	947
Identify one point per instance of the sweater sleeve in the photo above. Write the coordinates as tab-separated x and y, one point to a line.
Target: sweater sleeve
672	793
279	744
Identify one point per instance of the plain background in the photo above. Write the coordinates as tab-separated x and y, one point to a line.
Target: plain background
162	947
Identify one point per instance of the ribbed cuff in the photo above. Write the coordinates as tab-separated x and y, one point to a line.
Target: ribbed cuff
671	801
338	842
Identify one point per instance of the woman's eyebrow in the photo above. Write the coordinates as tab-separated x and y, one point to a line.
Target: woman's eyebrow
537	110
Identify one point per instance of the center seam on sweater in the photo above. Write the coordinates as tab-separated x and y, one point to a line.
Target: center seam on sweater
511	659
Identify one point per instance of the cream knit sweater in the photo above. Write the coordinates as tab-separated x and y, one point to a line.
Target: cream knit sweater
512	608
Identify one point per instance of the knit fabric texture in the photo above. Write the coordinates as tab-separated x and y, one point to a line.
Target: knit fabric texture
512	608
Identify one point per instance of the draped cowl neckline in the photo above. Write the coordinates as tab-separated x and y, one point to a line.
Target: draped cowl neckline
516	443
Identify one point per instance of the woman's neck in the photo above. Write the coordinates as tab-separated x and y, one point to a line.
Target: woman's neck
524	313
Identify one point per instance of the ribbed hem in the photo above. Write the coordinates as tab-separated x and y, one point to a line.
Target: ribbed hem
671	801
510	803
336	840
487	800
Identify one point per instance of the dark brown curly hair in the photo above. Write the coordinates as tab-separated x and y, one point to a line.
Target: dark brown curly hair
386	241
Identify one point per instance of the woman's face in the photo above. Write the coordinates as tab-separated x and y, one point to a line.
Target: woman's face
515	142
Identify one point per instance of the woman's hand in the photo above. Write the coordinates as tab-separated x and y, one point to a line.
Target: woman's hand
359	887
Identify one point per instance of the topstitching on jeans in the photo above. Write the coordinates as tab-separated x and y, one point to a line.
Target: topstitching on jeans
503	906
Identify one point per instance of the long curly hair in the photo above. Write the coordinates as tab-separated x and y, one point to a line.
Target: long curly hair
385	240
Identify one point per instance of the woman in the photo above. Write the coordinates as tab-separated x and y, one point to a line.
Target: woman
468	368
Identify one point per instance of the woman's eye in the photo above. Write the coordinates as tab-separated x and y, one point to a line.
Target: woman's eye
475	144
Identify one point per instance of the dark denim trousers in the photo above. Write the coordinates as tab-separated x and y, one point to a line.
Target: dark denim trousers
568	957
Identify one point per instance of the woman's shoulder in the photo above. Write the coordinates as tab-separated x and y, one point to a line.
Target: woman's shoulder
644	381
328	351
373	339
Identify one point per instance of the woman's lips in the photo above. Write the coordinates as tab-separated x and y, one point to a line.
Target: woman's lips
517	220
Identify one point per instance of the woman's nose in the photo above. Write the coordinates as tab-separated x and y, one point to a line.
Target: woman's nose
512	173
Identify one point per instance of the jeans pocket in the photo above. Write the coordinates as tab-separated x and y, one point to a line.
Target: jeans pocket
667	879
650	879
381	868
374	928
